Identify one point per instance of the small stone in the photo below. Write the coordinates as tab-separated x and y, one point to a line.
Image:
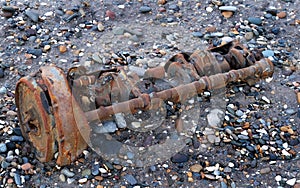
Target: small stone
179	158
17	179
62	48
281	14
131	179
118	31
278	178
291	182
46	48
161	2
223	184
265	170
255	20
196	168
82	180
36	52
268	53
62	177
3	148
227	14
228	8
17	139
120	120
197	34
26	166
110	14
67	172
1	73
211	29
100	27
145	9
5	164
86	173
32	15
249	35
209	9
290	111
3	90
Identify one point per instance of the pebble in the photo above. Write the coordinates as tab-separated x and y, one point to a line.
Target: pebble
3	148
131	179
249	35
62	48
26	166
32	15
62	177
36	52
108	127
255	20
179	158
86	172
227	14
268	53
3	90
17	139
82	180
197	34
196	168
100	27
67	172
95	169
228	8
120	120
5	164
265	170
291	182
110	14
281	14
17	179
1	73
290	111
145	9
223	184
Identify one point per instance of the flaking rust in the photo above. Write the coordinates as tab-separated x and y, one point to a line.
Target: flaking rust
50	102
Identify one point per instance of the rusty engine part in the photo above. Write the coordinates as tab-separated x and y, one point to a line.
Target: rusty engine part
48	101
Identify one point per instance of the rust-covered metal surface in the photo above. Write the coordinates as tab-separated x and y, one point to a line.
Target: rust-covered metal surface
55	110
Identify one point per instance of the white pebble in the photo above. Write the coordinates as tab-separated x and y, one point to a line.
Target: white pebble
278	178
291	182
209	9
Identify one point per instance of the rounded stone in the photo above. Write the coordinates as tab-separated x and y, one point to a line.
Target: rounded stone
145	9
255	20
179	158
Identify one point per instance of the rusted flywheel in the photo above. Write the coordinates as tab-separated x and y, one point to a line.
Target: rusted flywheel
46	111
54	109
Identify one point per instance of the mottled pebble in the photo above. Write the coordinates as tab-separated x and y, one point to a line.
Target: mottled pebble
130	179
281	14
62	48
248	35
62	177
86	173
26	166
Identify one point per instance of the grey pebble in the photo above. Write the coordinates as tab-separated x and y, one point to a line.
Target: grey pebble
131	179
268	53
197	34
120	120
223	184
67	173
255	20
8	9
86	172
3	90
36	52
217	34
95	169
243	137
265	170
17	139
118	31
290	111
32	15
130	155
109	126
5	164
3	148
179	158
228	8
17	179
239	113
144	9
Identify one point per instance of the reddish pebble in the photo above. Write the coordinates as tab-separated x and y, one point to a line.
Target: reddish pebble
281	14
110	14
26	166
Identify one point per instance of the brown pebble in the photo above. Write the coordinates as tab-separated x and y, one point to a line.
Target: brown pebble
211	29
298	97
189	174
110	14
69	12
265	170
10	181
297	185
281	14
196	168
246	125
98	178
62	48
7	14
227	14
161	2
26	166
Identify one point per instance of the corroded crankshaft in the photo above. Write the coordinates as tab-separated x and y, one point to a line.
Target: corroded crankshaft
49	101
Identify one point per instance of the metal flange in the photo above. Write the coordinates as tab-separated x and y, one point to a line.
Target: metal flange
47	113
